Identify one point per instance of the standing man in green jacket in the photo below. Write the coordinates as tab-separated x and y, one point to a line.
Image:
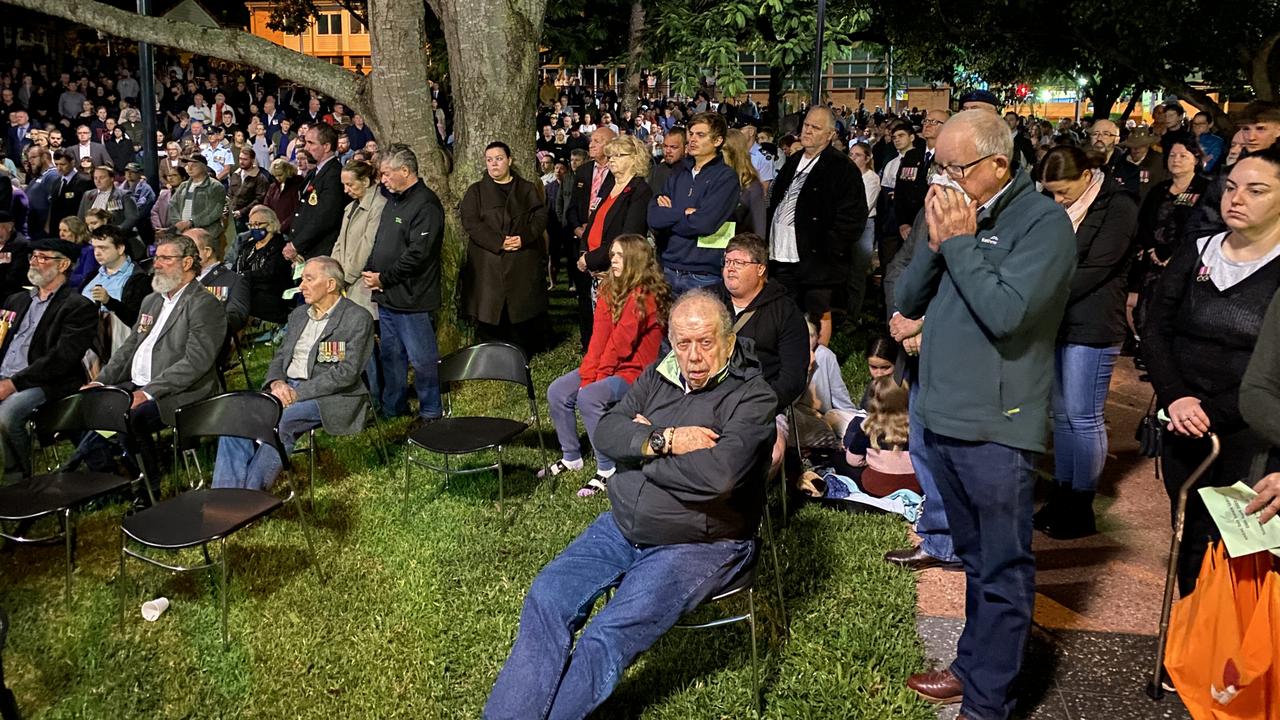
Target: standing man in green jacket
993	277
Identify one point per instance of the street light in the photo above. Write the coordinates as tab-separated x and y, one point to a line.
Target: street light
816	96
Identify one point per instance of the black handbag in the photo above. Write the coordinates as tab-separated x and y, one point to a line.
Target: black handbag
1150	432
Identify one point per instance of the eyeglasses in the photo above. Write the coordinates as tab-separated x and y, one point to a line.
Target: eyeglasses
1099	133
41	258
957	172
168	258
733	264
932	122
257	225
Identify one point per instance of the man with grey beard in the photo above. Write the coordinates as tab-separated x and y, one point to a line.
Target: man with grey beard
45	331
168	361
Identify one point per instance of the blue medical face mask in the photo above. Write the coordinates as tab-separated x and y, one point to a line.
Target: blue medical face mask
257	234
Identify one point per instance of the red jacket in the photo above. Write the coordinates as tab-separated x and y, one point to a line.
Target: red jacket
624	348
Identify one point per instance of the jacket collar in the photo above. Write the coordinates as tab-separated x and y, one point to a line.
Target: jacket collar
1018	186
742	365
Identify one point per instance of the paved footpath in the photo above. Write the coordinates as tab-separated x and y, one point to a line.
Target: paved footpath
1097	599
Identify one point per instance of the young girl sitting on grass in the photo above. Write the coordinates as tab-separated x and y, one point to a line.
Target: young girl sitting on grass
878	444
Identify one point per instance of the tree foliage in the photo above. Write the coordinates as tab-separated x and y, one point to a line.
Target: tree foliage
1114	45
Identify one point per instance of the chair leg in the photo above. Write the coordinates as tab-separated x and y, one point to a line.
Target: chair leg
777	574
542	449
756	697
311	548
248	384
405	510
381	438
222	592
500	478
123	579
311	465
67	531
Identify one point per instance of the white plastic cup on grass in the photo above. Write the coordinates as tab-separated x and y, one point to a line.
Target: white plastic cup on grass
153	609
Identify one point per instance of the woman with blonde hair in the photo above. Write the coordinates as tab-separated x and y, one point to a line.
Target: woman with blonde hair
629	318
623	210
750	215
878	444
282	196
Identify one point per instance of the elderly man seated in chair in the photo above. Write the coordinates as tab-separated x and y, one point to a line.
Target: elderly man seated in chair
168	361
692	440
315	374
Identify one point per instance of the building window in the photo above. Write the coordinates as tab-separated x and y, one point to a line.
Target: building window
329	24
357	27
360	60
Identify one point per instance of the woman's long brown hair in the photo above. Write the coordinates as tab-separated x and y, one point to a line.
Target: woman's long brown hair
639	272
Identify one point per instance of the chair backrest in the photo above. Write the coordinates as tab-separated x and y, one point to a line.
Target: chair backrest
242	414
486	361
97	408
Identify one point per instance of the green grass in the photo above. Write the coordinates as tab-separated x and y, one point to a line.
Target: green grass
418	614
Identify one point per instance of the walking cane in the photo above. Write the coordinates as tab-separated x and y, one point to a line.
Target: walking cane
1154	689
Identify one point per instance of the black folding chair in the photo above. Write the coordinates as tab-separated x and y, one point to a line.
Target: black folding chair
202	516
63	493
451	435
228	355
310	448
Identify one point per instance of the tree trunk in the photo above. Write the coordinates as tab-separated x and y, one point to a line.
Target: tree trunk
632	91
1260	69
1128	108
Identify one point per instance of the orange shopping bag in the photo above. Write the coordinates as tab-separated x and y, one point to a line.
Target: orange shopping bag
1251	673
1207	628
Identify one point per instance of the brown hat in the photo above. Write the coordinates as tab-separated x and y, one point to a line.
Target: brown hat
196	157
1140	137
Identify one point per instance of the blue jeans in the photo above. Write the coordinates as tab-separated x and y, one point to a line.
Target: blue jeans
592	401
987	489
931	526
1081	379
860	266
409	338
681	281
547	675
15	410
241	464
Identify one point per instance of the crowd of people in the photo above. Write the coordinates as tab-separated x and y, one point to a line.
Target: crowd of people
711	258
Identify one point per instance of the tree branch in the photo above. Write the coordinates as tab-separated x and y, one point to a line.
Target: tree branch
360	15
230	45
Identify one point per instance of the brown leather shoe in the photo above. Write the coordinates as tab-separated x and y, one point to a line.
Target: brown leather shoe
917	559
940	686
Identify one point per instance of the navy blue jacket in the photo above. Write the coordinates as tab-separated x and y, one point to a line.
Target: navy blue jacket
714	192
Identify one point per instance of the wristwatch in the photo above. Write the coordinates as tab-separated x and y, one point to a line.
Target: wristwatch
658	442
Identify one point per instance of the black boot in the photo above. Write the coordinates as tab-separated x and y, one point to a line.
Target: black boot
1048	513
1076	520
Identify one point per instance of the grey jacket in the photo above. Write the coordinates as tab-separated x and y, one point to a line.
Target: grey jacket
208	202
335	386
183	368
124	211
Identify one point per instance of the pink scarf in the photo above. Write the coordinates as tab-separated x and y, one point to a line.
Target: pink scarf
1080	207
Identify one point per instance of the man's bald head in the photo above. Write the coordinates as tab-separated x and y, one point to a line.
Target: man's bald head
600	138
1103	136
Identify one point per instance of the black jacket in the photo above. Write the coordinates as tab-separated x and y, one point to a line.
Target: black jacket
15	260
316	224
235	297
781	337
628	214
831	213
136	289
1104	247
580	201
910	187
702	496
67	329
65	201
406	251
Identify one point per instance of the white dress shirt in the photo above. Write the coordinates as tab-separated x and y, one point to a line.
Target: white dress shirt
141	368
